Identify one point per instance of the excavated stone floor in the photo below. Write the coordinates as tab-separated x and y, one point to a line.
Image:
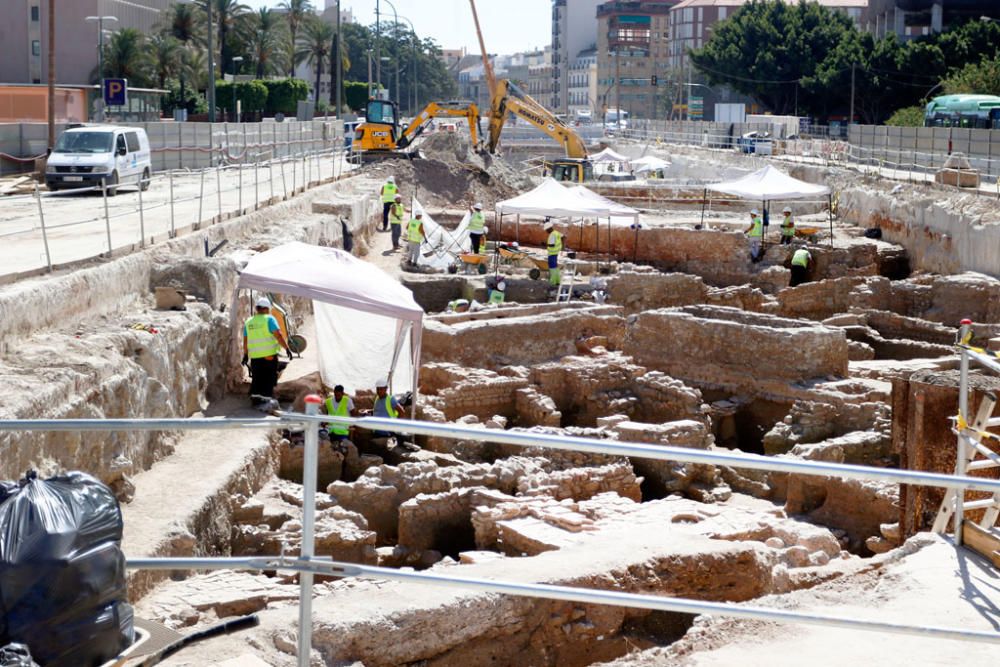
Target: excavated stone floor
694	347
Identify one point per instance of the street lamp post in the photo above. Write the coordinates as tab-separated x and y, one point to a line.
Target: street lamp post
383	59
100	50
239	59
395	18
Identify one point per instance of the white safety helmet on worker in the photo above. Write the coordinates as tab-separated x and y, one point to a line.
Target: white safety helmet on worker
787	209
754	211
390	180
264	302
549	225
478	206
382	382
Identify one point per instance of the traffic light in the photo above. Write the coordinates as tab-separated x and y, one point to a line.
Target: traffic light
652	80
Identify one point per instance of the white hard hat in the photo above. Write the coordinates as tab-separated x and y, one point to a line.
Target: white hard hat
263	302
382	382
390	180
787	209
502	285
478	206
399	197
754	211
549	225
419	214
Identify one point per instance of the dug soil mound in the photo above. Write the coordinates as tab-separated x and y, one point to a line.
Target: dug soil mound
451	174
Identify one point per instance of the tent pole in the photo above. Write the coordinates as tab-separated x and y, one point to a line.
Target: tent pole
635	244
704	200
517	228
829	207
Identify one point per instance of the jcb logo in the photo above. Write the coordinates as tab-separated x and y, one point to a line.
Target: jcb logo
380	134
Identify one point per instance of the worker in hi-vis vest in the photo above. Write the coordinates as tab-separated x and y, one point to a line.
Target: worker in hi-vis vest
262	343
554	245
800	267
477	225
388	192
787	226
385	406
397	213
498	294
415	236
339	404
755	232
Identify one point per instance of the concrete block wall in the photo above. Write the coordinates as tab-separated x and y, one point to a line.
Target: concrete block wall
927	147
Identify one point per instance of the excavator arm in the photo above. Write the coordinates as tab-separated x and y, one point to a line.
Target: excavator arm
511	99
466	110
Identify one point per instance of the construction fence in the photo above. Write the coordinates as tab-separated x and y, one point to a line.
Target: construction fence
189	145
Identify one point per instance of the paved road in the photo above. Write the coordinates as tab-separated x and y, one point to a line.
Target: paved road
76	227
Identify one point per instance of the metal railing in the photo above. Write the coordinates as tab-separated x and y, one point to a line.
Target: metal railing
189	199
307	564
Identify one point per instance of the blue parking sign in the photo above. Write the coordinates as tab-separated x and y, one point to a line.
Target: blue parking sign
115	92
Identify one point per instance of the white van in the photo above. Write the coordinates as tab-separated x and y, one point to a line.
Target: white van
84	156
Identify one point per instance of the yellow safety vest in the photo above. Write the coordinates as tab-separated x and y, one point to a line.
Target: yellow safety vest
337	410
477	223
260	341
496	296
758	228
801	258
787	227
389	191
555	243
388	406
396	214
413	233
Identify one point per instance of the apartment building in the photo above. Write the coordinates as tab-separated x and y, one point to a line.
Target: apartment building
24	36
574	30
583	85
912	18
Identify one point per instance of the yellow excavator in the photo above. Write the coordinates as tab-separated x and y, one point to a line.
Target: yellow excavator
506	97
380	135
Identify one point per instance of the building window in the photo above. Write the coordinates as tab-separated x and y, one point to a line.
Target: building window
36	47
34	12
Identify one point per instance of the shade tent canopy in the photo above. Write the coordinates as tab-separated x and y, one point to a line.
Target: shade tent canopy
364	318
616	210
648	163
608	155
769	184
554	200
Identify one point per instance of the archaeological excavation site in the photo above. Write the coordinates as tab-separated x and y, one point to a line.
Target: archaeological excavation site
656	449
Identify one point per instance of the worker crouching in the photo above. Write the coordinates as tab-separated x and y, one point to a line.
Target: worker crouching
801	259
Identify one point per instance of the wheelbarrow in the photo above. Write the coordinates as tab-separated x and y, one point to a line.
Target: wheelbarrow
297	343
470	260
513	255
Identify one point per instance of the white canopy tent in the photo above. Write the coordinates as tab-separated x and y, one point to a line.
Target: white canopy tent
607	155
770	184
649	163
365	319
617	211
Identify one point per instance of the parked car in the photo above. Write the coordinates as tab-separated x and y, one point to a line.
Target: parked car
91	154
755	142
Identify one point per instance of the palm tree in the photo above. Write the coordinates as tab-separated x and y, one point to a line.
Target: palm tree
194	68
228	16
266	42
314	47
185	23
296	12
125	56
165	56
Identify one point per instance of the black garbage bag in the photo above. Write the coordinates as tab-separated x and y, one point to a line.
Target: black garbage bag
62	571
16	655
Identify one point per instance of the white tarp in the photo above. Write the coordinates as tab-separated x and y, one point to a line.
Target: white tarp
552	199
619	212
367	324
442	245
648	163
768	184
608	155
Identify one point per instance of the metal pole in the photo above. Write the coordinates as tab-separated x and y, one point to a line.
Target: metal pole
295	161
270	176
309	464
170	178
256	180
284	183
963	414
239	196
378	45
851	118
142	219
52	75
201	198
218	187
45	236
107	218
339	63
211	68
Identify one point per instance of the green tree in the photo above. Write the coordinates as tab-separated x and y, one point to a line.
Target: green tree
185	23
165	58
356	95
782	53
314	47
982	78
181	98
296	13
229	17
283	95
268	37
252	95
125	56
907	117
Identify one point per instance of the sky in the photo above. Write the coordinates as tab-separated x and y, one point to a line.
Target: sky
509	26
